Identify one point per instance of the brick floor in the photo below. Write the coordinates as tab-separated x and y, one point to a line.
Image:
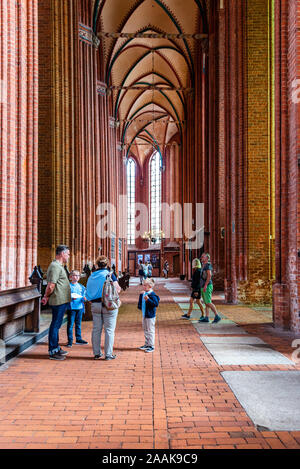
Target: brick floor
174	398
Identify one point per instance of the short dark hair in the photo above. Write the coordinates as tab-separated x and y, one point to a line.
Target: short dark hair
61	248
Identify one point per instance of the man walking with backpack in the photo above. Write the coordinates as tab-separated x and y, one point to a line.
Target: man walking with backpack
102	316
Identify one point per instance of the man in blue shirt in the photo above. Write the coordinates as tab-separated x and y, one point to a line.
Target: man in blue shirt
77	309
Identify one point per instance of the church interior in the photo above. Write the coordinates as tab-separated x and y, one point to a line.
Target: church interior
152	131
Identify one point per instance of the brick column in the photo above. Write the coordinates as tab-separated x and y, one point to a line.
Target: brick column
88	155
219	262
216	164
79	161
287	60
18	141
58	35
231	129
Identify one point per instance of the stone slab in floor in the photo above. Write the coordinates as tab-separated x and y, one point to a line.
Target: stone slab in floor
187	305
224	327
180	299
176	285
233	340
239	353
270	398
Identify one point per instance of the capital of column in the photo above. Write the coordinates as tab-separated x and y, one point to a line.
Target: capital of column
86	34
101	88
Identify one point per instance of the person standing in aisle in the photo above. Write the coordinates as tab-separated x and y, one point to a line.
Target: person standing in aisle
58	295
77	309
196	290
102	318
207	289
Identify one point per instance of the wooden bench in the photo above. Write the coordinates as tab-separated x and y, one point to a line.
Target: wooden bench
19	311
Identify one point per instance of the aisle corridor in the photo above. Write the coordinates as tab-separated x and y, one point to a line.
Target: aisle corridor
173	398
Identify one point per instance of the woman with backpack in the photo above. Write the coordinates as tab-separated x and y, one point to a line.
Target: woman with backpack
102	316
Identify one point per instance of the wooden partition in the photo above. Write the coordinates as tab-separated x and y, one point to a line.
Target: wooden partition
19	311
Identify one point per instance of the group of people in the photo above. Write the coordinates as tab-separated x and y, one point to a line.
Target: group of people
202	288
145	271
66	294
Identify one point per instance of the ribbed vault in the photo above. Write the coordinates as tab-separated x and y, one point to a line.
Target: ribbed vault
149	76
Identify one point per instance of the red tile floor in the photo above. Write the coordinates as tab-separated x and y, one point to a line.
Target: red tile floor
174	398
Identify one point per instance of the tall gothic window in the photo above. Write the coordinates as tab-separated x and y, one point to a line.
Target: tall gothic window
131	201
155	194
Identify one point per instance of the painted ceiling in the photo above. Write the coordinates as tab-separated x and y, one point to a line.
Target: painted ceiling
150	77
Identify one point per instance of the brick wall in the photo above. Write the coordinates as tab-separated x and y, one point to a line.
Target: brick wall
18	141
286	287
258	155
45	185
58	33
78	156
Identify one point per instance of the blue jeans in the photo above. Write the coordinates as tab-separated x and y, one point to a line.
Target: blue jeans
58	313
74	316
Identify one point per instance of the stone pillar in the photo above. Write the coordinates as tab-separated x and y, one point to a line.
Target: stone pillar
18	141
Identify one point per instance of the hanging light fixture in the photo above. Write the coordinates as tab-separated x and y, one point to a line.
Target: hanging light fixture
153	236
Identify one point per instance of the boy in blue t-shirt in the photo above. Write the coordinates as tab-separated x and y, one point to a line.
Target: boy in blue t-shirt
77	309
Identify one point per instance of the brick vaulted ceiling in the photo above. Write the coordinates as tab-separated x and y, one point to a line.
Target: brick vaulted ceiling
149	117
